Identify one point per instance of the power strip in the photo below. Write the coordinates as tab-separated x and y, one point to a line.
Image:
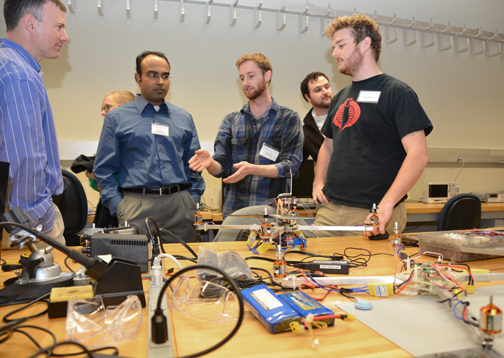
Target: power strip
155	350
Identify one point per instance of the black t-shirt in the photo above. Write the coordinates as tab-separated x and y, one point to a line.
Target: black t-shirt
367	121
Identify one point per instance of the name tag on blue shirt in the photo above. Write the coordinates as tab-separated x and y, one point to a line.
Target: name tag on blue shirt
368	96
160	129
269	152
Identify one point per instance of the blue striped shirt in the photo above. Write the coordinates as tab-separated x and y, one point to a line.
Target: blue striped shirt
241	137
28	136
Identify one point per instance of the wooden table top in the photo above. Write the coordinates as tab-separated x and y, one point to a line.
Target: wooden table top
344	339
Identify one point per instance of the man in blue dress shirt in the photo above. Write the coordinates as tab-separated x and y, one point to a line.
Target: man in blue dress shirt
149	143
35	30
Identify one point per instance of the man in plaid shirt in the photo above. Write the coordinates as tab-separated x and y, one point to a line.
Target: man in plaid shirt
257	148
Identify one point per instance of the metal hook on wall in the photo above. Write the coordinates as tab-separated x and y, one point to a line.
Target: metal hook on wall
71	6
100	8
128	9
281	18
304	20
387	31
423	36
208	11
457	49
471	44
156	7
322	23
182	11
405	31
232	13
440	38
487	45
258	15
487	49
474	38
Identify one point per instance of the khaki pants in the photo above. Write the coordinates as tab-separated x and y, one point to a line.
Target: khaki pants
341	215
174	212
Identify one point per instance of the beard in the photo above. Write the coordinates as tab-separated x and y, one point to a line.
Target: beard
353	64
324	104
256	92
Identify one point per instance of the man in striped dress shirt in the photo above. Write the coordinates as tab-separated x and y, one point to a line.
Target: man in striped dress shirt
35	30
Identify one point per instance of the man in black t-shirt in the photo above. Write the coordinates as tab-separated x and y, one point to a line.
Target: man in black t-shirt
375	147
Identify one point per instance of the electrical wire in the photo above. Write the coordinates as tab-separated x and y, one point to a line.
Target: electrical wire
40	299
462	166
159	310
89	352
180	241
66	264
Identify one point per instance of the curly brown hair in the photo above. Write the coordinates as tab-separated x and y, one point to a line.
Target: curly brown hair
362	26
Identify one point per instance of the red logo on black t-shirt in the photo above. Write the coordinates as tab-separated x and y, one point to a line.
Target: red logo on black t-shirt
347	114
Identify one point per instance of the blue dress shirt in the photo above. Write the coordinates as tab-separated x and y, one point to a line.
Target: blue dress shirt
145	160
28	136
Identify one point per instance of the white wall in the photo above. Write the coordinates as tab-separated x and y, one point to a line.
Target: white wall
462	93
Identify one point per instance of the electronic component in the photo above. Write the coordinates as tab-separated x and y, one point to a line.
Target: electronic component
129	247
305	305
491	318
325	266
275	314
440	192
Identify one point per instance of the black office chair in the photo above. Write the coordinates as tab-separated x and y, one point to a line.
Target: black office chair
73	206
462	212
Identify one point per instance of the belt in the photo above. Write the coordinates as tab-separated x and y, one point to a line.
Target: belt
161	191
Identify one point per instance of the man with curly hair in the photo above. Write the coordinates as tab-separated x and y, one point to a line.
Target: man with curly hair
375	147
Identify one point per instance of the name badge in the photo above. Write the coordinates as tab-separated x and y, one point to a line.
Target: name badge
368	96
160	129
269	152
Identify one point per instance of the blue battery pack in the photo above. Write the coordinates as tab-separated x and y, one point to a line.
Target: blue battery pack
275	314
304	305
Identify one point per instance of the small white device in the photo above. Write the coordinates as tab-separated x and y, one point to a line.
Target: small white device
440	192
495	198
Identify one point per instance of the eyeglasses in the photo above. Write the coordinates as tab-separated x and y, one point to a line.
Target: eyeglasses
107	107
155	75
90	323
205	301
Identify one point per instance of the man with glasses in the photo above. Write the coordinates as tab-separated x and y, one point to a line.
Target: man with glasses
149	142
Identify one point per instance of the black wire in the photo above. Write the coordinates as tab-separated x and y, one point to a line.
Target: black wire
235	288
115	352
357	259
66	264
51	348
260	258
180	257
155	242
179	240
404	282
40	299
17	329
